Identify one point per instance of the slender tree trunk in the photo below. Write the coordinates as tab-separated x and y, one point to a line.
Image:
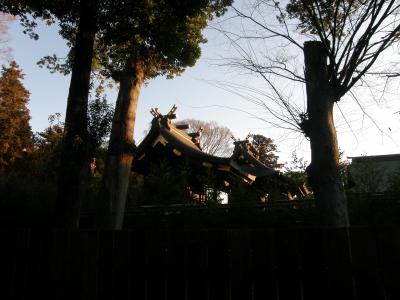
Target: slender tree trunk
121	148
323	172
74	166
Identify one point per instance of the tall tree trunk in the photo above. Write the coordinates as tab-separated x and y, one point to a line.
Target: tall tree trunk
323	172
121	147
74	166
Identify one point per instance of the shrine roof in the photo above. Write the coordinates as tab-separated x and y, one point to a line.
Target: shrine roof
165	131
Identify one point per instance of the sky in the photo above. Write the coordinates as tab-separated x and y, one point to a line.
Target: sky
372	130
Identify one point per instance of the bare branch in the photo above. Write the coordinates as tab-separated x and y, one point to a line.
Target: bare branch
267	28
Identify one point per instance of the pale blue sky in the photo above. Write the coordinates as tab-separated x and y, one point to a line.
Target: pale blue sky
197	99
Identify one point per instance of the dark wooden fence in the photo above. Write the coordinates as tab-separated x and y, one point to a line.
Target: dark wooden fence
299	263
179	208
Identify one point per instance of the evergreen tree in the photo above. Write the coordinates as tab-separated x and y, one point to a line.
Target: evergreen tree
46	157
266	150
15	131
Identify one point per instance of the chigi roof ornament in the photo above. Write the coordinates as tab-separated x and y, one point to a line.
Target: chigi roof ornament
169	141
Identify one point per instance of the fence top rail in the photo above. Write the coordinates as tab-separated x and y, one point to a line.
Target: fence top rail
225	207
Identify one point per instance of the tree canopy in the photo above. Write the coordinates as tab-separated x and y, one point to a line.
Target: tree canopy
266	150
146	32
15	131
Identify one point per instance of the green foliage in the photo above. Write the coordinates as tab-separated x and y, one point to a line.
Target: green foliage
243	193
29	187
323	16
343	168
163	185
45	159
295	171
211	186
100	115
56	64
266	150
274	187
15	132
143	31
131	30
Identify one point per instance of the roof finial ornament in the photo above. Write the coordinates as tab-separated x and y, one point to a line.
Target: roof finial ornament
195	136
171	114
155	112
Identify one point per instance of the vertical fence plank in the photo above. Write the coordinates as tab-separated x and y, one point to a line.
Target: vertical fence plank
196	265
306	264
19	259
339	264
313	269
367	276
33	264
176	266
7	265
388	240
240	264
121	258
106	264
13	262
61	267
84	263
156	264
39	264
218	265
138	265
263	266
288	264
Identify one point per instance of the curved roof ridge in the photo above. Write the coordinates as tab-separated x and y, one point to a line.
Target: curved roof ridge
242	159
